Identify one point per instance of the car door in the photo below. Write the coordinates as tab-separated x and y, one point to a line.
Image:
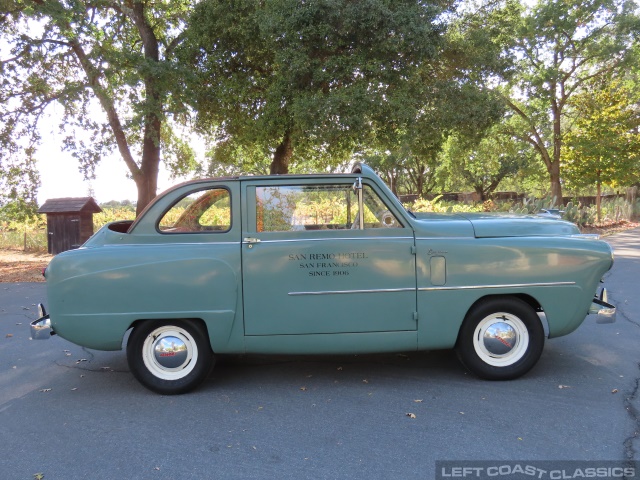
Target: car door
312	264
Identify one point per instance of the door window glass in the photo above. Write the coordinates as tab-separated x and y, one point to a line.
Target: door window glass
318	207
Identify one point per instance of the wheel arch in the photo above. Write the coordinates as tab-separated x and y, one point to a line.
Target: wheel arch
499	321
196	321
528	299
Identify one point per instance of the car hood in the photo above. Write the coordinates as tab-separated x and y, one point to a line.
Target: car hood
513	225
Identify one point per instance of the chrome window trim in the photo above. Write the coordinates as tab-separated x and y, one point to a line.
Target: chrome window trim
427	289
342	292
332	239
512	285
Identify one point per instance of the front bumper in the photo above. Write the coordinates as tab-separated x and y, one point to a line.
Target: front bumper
41	328
604	311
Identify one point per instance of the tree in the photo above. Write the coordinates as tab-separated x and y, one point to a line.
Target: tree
112	55
317	79
485	164
561	46
603	144
456	98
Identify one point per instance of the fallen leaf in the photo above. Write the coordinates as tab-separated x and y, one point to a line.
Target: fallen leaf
365	381
45	390
519	438
304	389
38	476
410	415
74	389
615	390
417	401
564	386
9	335
461	413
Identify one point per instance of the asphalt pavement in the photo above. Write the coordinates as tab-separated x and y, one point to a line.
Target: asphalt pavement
72	413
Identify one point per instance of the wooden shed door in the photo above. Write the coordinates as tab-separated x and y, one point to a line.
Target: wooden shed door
64	233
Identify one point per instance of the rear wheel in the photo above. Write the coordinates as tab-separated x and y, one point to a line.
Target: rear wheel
170	356
500	339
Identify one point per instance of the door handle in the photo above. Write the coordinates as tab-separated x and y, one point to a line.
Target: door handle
251	240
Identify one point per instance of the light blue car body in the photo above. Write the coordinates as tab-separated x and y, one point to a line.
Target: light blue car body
320	290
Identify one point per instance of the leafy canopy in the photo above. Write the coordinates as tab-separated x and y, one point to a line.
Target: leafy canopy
109	65
318	78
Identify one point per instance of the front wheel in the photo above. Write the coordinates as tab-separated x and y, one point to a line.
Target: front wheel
500	339
169	356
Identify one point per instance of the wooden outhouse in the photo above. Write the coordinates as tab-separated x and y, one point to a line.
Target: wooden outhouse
69	222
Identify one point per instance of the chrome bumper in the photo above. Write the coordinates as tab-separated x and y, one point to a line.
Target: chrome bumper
41	328
606	313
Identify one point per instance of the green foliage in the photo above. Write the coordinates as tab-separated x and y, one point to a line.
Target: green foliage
22	228
603	144
562	45
483	165
112	215
110	66
437	205
313	82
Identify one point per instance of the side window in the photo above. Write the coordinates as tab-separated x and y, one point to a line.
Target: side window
202	211
318	207
376	212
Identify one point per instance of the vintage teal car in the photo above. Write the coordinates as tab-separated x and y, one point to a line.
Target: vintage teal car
320	264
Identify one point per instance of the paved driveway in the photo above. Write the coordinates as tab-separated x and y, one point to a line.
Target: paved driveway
72	413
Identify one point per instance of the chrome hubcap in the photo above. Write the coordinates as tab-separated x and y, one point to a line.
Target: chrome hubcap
501	339
170	352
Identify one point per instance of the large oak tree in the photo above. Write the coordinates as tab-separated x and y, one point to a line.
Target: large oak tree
109	64
311	78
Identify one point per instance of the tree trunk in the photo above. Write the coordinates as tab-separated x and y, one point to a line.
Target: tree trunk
147	179
556	187
598	199
554	170
282	156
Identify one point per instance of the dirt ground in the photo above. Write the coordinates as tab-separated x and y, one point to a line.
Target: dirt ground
19	266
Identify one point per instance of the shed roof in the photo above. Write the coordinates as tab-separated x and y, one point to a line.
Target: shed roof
70	205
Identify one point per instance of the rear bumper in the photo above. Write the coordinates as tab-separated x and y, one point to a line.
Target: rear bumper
604	311
41	328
